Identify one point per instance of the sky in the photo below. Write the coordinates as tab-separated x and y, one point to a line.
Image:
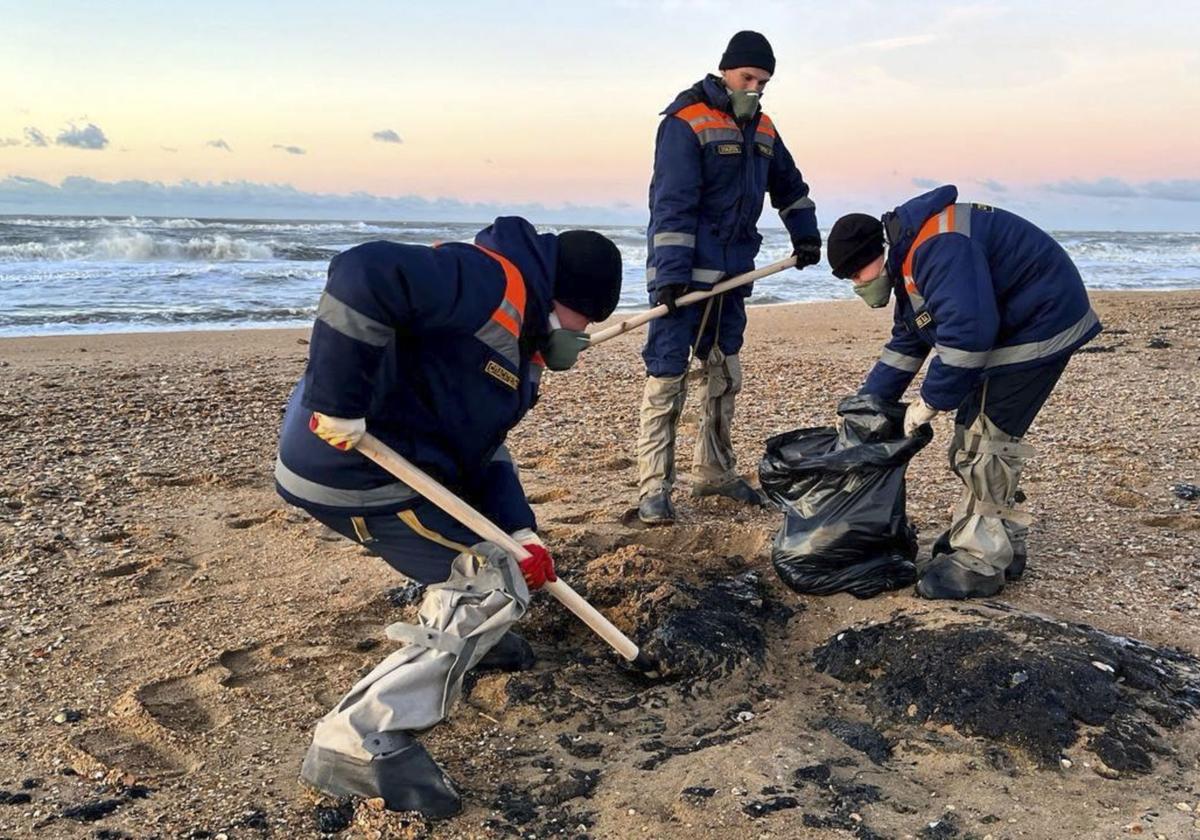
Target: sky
1078	115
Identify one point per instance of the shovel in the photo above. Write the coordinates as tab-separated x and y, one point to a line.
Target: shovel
423	483
635	321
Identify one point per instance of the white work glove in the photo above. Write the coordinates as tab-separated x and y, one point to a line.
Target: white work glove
338	432
917	414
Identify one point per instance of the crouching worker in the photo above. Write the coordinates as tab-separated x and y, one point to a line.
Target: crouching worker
1003	308
437	352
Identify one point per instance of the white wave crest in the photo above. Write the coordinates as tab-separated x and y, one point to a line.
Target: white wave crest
136	246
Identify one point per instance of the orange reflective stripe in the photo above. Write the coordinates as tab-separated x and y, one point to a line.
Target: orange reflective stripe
538	360
766	126
927	231
711	117
514	293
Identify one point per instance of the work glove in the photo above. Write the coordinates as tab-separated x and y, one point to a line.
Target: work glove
916	415
807	250
667	295
538	567
338	432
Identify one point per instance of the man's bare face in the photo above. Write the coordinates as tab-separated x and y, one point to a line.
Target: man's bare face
746	78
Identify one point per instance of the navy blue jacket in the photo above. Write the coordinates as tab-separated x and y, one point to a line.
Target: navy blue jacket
707	190
982	287
423	342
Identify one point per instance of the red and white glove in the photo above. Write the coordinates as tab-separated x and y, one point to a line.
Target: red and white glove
538	567
338	432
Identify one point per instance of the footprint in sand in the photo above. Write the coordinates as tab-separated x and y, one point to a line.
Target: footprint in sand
190	705
540	497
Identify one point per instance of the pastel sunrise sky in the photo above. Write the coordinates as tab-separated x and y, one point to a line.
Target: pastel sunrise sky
1076	114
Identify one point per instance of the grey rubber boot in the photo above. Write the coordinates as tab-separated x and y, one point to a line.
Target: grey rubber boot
662	403
399	771
713	462
1013	571
656	508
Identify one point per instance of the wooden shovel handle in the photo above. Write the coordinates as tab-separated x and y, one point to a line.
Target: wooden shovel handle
424	484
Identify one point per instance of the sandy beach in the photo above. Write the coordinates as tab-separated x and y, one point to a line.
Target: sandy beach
170	631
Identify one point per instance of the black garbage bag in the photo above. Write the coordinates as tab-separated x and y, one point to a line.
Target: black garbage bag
845	528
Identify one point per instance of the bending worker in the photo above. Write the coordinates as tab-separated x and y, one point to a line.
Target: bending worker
1003	308
716	155
438	352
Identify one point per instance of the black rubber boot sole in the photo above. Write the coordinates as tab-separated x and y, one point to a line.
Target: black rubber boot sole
656	509
944	579
512	653
405	777
738	491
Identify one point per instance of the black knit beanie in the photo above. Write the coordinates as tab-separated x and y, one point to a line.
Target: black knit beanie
588	274
748	49
854	242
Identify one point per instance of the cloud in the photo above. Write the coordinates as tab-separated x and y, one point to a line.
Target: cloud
992	185
291	150
1100	188
219	144
386	136
244	199
1177	190
34	137
1181	189
926	183
88	137
9	141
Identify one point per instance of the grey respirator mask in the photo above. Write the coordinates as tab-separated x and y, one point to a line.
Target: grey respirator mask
563	346
745	104
876	293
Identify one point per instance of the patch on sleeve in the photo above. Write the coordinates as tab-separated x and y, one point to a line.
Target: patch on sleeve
729	148
764	150
985	208
924	320
502	374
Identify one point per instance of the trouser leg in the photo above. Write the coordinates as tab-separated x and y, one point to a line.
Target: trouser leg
662	403
714	463
364	746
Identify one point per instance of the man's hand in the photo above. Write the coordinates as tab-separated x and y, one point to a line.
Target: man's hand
538	567
917	415
338	432
807	250
667	295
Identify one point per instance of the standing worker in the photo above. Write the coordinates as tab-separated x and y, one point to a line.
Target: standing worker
437	352
1003	308
715	156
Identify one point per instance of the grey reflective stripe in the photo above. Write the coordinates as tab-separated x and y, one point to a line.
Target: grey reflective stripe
764	138
805	203
1041	349
891	358
719	135
320	494
962	219
502	455
685	240
494	335
918	301
962	358
352	323
699	275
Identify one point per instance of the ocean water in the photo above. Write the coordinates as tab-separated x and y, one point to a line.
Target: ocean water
62	275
